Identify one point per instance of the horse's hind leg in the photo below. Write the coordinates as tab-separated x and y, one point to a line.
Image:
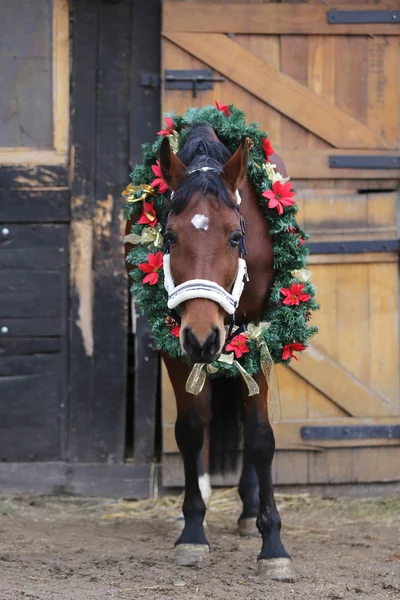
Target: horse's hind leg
273	560
191	547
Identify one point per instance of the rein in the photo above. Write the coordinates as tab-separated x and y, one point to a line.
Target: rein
205	288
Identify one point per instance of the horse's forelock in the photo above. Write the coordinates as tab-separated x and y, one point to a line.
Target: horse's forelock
202	148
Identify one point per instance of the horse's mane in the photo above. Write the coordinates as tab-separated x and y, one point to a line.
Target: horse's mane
202	149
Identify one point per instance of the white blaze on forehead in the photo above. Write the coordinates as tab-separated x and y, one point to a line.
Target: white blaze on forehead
200	222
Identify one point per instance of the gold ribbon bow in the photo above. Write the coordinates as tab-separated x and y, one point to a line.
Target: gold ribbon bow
130	190
303	275
198	375
255	332
150	236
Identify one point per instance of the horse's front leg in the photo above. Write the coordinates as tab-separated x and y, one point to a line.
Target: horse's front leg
273	560
192	546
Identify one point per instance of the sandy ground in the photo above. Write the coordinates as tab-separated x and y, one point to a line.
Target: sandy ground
61	548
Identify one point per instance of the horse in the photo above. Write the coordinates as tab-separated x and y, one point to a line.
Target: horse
205	239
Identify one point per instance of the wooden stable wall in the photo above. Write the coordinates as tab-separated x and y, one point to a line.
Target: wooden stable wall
66	422
320	90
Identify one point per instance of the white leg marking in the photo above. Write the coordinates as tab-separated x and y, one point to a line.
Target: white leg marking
205	487
200	222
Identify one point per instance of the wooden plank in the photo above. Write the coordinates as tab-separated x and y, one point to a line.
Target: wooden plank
20	156
314	163
333	380
31	327
288	433
34	247
83	132
294	53
280	91
61	83
354	465
383	60
352	326
333	259
383	330
359	216
110	299
268	18
30	407
268	49
146	58
21	345
38	176
144	120
101	481
34	206
147	362
28	293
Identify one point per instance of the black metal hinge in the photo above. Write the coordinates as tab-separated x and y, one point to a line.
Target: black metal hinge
350	432
364	162
191	79
354	247
186	79
357	17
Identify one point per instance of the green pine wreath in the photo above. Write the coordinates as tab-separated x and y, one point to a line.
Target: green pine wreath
148	206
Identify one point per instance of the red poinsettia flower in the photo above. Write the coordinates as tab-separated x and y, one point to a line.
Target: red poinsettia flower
290	348
148	216
175	331
238	345
223	108
159	181
294	295
268	149
291	229
152	267
279	196
170	127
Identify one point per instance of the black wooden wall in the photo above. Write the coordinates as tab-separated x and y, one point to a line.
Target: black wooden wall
63	290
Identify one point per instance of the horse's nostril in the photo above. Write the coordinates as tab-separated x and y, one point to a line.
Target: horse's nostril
211	344
201	352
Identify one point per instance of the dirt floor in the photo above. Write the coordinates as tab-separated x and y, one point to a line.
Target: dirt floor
62	548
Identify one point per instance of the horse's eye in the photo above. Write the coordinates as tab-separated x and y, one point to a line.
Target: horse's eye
234	239
170	237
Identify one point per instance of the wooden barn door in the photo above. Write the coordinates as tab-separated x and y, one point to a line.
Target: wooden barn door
324	83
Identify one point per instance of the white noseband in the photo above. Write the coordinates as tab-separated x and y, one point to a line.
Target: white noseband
204	288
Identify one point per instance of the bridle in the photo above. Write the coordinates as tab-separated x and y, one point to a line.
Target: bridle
205	288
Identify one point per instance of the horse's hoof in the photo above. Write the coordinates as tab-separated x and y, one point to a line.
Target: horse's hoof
248	528
276	568
191	555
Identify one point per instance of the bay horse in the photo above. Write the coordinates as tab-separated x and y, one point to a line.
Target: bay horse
204	236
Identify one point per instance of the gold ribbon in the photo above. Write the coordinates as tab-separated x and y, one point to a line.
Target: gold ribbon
303	275
198	375
150	236
130	190
255	332
174	141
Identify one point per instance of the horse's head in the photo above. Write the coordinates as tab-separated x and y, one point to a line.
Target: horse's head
204	237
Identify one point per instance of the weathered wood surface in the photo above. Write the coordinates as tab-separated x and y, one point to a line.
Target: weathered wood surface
303	83
100	140
269	18
97	480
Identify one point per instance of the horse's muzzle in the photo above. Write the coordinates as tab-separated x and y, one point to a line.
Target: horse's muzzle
201	353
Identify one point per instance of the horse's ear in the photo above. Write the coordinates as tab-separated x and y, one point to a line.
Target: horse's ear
172	169
236	168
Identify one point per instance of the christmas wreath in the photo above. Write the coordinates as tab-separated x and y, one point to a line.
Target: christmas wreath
285	328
